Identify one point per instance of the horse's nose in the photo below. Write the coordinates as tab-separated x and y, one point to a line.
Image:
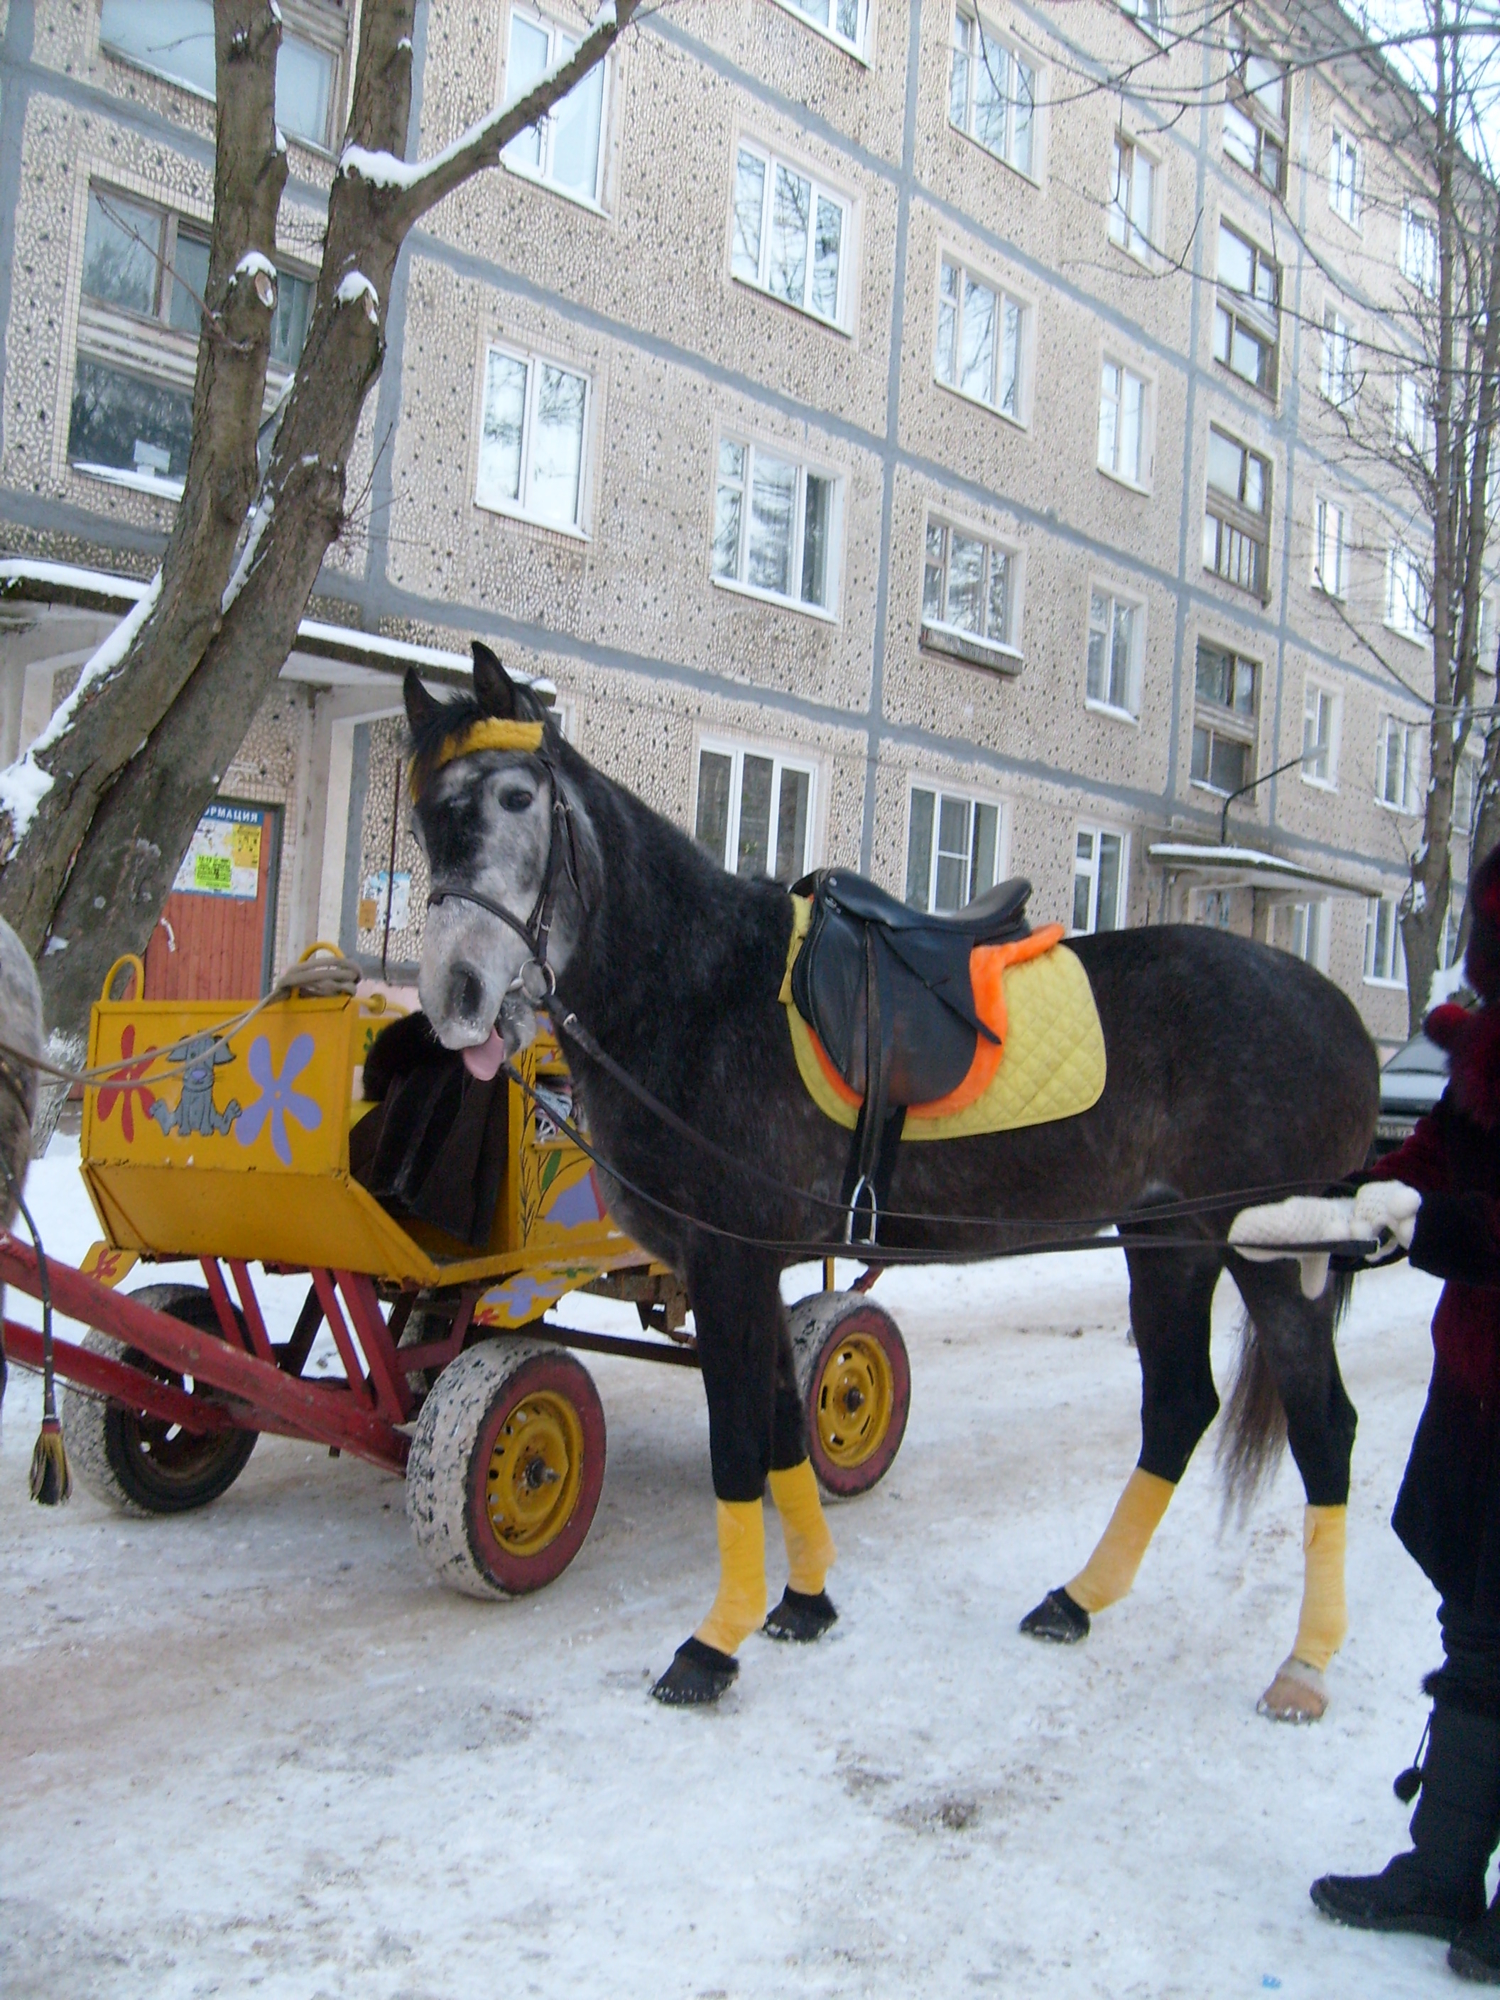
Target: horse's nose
465	992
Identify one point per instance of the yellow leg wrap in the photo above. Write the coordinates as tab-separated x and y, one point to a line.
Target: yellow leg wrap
740	1605
810	1552
1110	1570
1324	1623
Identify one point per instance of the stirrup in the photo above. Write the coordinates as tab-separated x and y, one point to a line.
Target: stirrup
862	1187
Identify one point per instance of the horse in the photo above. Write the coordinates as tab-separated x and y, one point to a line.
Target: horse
1230	1066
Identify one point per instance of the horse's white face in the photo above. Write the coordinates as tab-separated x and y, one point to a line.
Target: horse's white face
483	823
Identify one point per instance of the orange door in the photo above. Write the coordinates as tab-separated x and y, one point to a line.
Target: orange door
214	939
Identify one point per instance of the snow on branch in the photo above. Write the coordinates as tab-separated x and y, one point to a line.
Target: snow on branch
425	182
356	287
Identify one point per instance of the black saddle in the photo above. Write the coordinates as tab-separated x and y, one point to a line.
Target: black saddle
886	990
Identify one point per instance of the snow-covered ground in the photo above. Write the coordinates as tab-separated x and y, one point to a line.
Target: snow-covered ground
260	1749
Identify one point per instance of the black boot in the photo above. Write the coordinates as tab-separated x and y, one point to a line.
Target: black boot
1438	1888
1475	1952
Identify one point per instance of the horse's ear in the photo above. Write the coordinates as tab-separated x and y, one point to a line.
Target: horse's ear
493	686
421	707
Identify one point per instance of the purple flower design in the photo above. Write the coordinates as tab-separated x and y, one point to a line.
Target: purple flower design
279	1101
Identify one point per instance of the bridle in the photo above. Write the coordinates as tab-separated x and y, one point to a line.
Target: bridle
536	979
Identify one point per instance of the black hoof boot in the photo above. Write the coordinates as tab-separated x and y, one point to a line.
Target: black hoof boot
801	1615
697	1676
1402	1897
1058	1619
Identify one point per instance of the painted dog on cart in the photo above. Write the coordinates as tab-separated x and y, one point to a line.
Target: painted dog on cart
1230	1067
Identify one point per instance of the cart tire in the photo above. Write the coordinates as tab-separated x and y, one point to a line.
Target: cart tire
506	1467
139	1464
855	1380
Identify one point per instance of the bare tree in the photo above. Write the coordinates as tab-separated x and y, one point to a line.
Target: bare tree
94	821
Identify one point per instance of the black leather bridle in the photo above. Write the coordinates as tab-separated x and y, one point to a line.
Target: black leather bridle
536	978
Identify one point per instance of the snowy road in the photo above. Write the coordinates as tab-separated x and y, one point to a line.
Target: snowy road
258	1750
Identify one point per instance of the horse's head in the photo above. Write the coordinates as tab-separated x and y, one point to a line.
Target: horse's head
482	786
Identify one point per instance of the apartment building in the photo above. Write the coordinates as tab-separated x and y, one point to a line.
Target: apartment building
914	437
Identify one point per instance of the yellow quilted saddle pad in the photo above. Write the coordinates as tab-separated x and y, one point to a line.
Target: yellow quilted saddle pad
1052	1065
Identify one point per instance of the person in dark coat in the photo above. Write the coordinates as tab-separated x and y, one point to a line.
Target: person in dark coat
1439	1195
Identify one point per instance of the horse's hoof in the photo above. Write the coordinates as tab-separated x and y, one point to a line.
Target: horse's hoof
1298	1694
801	1615
1058	1619
697	1676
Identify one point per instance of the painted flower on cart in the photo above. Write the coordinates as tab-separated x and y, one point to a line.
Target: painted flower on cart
279	1099
125	1088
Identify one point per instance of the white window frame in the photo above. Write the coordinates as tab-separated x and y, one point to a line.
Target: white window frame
1122	223
1319	702
1405	591
1466	774
1114	599
1346	176
1309	924
820	190
782	759
1330	515
1384	968
830	32
970	798
1004	297
1229	724
1150	16
1412	418
1399	730
1145	445
1233	518
1089	870
979	28
541	175
1338	387
956	641
1250	104
517	509
1419	249
738	584
1248	313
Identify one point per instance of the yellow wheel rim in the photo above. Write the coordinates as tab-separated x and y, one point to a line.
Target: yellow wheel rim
855	1396
535	1471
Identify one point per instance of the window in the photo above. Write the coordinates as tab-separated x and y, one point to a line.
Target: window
1331	548
175	39
1224	719
843	21
1398	760
1132	201
1408	596
1465	794
992	94
1414	425
562	150
1213	908
774	524
1419	250
1246	315
141	303
1336	377
1385	956
1148	14
968	596
1255	111
789	235
979	341
1101	861
1453	918
952	849
1344	177
1122	423
1237	517
531	439
1302	929
1320	735
754	811
1115	627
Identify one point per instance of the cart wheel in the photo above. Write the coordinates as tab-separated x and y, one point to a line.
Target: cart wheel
856	1388
141	1464
506	1467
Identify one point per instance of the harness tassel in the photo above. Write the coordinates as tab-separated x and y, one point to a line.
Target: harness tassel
51	1482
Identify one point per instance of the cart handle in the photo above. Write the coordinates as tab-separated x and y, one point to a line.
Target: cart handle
126	958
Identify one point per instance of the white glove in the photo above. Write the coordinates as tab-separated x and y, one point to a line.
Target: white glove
1256	1233
1387	1208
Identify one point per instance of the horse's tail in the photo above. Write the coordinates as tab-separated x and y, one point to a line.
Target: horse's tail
1253	1436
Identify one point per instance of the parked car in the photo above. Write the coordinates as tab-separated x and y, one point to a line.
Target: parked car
1410	1083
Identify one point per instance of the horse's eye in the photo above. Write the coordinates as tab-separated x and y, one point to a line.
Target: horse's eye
517	799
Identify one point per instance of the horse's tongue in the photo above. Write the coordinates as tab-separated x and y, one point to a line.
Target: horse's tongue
484	1061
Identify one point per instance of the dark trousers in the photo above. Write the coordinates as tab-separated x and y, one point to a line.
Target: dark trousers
1469	1677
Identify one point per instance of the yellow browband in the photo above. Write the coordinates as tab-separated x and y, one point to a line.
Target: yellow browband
489	733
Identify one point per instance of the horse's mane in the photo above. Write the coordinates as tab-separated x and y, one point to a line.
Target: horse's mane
450	717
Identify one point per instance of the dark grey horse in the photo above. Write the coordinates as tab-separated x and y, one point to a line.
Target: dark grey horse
1231	1067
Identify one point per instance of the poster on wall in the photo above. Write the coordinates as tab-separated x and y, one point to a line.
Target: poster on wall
223	858
372	902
